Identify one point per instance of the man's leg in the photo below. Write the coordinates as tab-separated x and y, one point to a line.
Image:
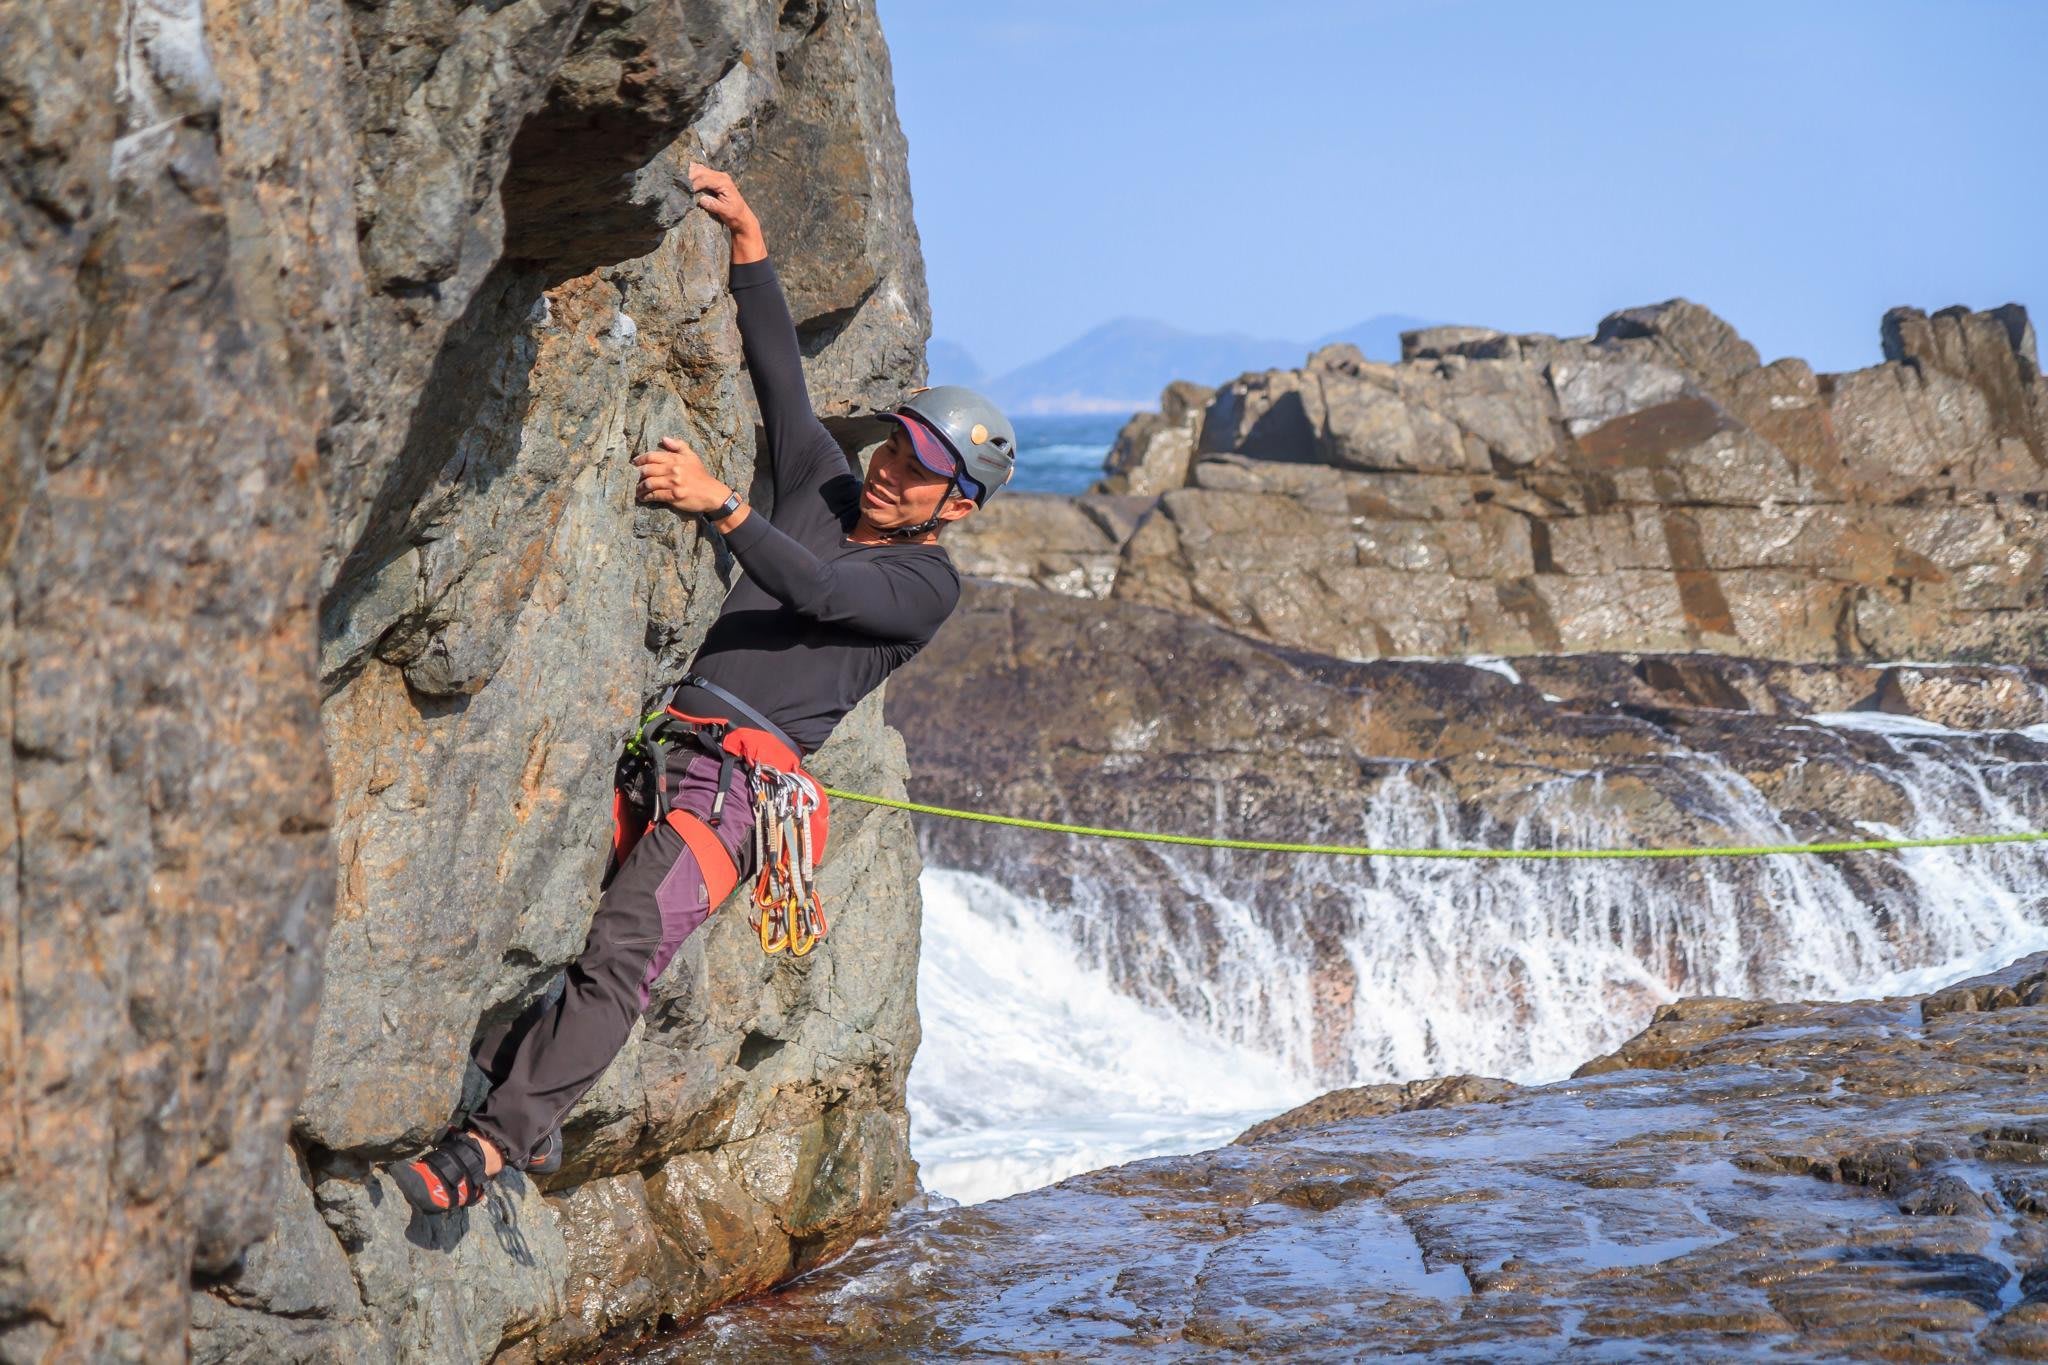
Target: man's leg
568	1045
545	1062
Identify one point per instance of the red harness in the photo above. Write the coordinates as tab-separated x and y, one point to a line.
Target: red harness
791	821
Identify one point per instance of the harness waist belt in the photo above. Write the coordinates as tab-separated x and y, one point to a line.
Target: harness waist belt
739	710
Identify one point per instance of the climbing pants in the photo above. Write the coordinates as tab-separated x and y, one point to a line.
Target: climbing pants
540	1063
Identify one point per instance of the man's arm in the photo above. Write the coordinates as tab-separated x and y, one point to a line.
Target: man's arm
892	597
801	453
718	194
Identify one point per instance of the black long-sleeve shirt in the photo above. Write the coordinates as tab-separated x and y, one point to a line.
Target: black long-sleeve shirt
818	622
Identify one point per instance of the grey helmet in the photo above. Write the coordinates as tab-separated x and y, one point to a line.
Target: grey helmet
976	444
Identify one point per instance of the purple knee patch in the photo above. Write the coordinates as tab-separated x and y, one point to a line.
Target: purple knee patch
685	903
683	898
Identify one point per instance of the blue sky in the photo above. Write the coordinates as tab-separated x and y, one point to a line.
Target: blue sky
1287	168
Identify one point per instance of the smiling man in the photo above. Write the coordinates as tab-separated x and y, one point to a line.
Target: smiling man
844	581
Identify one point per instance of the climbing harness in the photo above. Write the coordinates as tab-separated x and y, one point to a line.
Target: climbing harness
789	807
1359	851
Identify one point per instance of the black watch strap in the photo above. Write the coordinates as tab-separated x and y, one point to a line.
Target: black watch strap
725	509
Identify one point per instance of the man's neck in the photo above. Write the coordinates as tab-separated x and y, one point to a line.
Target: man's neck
866	532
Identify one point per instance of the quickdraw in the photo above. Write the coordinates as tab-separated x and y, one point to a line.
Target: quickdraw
789	914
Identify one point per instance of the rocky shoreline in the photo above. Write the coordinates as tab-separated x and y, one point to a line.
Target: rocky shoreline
1793	1181
1629	590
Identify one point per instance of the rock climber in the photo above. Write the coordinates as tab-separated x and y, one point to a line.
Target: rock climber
844	580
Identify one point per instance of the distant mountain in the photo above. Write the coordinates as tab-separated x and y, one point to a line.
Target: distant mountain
947	362
1379	337
1121	366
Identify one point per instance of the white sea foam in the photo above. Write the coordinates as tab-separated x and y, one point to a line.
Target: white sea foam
1034	1067
1885	723
1493	663
1923	980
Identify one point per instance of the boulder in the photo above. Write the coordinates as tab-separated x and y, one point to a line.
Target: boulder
1376	1101
1064	545
1433	343
1692	337
1152	451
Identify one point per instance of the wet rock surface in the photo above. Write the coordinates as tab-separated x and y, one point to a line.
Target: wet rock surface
1651	487
325	607
1745	1180
1373	1101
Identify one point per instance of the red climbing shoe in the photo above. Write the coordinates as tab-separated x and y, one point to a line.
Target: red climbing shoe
449	1177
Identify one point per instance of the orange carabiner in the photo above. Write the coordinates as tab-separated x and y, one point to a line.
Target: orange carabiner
774	931
801	937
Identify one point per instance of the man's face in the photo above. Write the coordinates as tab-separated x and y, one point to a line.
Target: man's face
901	492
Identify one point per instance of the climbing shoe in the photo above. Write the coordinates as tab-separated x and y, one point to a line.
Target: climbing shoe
547	1157
449	1177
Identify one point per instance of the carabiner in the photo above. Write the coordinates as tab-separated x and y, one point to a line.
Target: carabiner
801	939
774	931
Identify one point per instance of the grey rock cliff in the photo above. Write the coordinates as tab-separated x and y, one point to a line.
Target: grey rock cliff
325	605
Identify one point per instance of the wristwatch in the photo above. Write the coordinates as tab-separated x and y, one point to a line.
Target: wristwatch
725	509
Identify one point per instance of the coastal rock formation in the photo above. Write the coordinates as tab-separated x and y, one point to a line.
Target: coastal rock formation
1803	1182
1368	970
1152	452
1652	487
329	340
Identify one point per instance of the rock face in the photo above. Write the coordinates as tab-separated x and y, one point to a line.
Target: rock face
1803	1182
1371	970
328	342
1650	487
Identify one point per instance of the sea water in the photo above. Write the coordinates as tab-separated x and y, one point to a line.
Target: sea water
1063	453
1036	1066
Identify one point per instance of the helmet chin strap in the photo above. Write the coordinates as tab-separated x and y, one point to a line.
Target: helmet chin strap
932	522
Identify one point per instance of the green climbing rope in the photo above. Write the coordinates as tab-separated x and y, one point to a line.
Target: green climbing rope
1359	851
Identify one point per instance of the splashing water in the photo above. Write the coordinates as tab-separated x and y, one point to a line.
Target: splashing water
1175	995
1034	1067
